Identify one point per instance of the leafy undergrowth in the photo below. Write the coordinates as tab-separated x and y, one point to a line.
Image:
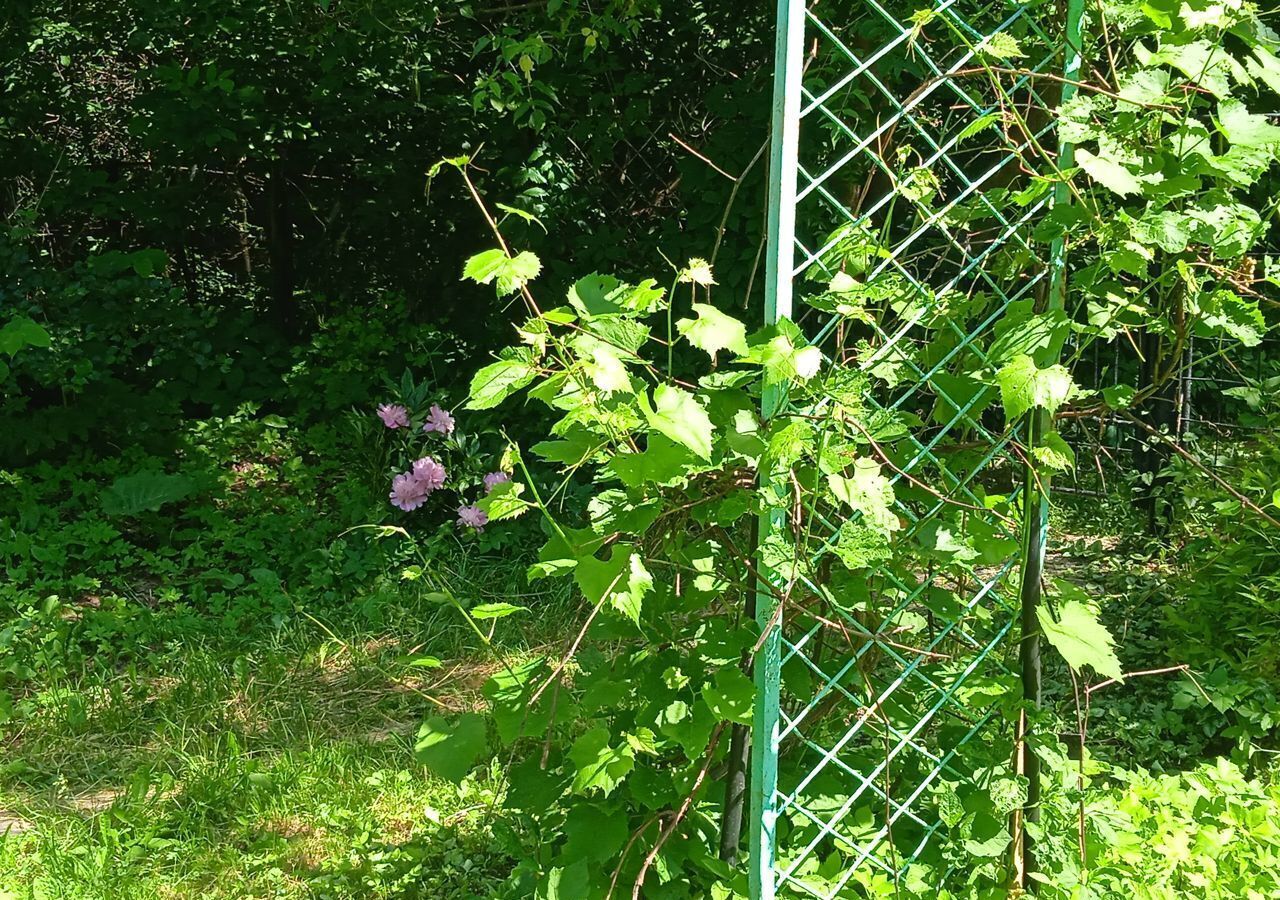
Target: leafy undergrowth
210	685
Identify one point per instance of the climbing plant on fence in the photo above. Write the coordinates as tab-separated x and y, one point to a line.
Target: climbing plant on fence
829	526
925	192
915	154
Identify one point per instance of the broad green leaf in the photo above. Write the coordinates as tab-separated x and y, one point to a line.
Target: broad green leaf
1107	172
566	882
1230	314
639	583
1119	396
20	332
1246	128
593	834
807	361
596	295
1024	386
713	331
507	273
1055	453
448	749
577	446
942	541
600	766
144	491
622	580
678	415
960	394
662	462
867	491
1080	638
498	381
607	372
509	692
1266	68
1021	330
780	349
1143	87
732	696
1204	63
860	546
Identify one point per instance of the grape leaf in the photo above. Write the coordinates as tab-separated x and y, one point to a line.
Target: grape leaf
1246	128
713	331
507	273
1024	386
498	381
731	696
676	414
600	767
1080	638
450	750
867	492
1109	173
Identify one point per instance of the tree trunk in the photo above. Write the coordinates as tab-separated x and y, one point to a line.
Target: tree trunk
280	248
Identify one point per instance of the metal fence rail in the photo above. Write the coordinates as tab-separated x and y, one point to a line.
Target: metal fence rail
890	684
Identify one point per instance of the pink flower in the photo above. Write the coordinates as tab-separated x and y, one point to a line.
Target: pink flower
429	473
493	479
472	517
438	420
393	415
407	492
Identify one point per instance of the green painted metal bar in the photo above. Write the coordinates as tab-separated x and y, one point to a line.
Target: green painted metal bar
1036	493
783	165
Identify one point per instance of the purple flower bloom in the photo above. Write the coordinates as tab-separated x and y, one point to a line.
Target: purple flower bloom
407	492
393	415
429	473
438	420
493	479
472	517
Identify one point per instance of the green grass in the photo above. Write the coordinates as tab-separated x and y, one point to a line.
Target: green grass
275	765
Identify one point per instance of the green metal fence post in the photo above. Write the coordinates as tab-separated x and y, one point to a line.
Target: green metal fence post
1036	490
783	161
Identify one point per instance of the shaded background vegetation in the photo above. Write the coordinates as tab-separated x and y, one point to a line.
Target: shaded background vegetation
196	194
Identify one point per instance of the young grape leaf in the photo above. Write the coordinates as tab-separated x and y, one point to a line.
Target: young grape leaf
450	750
507	273
678	415
731	696
498	381
1109	173
600	767
1054	453
1024	386
713	331
1080	638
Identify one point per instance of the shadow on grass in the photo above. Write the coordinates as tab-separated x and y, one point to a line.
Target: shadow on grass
281	766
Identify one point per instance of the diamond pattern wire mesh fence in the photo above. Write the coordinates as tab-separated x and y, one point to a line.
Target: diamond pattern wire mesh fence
903	213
